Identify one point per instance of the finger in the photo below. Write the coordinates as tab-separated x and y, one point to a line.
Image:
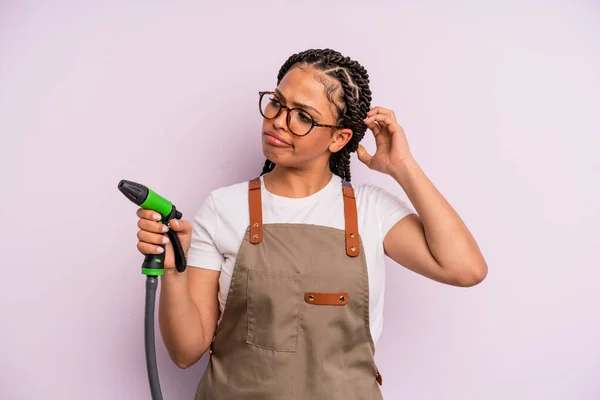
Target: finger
373	126
152	238
382	140
382	119
181	226
381	110
152	226
148	214
363	155
147	248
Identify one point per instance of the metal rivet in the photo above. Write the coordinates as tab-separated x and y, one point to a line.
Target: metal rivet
352	235
342	298
256	225
255	237
353	249
311	298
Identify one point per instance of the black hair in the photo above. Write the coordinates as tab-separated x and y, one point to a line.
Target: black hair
352	104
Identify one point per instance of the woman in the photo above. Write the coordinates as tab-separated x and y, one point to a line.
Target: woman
286	278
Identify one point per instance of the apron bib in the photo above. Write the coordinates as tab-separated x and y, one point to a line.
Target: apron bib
296	320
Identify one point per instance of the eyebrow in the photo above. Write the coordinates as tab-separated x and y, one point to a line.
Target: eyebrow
296	104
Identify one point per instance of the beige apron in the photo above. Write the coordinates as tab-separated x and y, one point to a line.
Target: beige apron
296	320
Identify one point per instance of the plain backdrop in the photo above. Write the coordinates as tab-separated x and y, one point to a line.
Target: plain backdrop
500	103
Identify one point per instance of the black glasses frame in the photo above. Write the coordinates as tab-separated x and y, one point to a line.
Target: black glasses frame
289	113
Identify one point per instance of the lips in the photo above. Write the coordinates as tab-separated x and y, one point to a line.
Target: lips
277	139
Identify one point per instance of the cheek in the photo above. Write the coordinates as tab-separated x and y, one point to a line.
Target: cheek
266	125
313	144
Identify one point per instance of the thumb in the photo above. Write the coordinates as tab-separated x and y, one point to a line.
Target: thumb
363	155
180	226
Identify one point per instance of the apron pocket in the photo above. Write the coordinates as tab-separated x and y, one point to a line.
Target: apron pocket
273	309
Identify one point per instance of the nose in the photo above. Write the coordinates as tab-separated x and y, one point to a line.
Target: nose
281	121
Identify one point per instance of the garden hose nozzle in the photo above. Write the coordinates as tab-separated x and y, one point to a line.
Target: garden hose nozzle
146	198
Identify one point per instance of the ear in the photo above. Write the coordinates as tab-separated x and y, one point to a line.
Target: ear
339	139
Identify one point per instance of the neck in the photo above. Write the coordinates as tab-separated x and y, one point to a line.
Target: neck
296	183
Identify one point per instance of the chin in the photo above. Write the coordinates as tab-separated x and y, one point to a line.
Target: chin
276	154
282	160
272	155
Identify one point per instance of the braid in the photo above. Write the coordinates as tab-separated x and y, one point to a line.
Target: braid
353	103
269	166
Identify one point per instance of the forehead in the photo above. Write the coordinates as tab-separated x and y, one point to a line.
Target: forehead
305	85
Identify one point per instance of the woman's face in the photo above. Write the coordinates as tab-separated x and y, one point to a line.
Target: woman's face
303	88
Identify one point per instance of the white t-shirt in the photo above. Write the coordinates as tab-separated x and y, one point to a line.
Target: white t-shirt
220	225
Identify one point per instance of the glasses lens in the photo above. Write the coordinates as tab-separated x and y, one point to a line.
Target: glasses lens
269	106
300	122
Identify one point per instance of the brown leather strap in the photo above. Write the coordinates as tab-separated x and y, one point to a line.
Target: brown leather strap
379	378
326	299
351	218
255	204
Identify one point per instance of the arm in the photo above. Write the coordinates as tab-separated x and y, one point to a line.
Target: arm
188	307
188	312
435	243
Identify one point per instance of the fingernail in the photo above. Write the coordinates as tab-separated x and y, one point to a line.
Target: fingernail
165	228
176	222
160	249
156	217
165	240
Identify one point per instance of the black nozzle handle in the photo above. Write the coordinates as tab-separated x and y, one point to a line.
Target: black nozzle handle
180	260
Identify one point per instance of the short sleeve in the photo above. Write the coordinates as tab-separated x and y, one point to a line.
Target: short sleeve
204	252
390	208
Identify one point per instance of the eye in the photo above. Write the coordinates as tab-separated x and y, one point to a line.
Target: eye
274	101
304	117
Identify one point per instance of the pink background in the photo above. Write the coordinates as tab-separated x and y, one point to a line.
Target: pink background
500	103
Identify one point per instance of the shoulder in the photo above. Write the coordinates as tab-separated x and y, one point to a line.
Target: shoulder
368	193
382	201
233	193
223	209
365	189
227	205
222	200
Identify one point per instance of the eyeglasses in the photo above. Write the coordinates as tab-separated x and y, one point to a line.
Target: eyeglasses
299	122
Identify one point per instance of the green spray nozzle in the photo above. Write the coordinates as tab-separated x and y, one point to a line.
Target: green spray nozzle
150	200
147	198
